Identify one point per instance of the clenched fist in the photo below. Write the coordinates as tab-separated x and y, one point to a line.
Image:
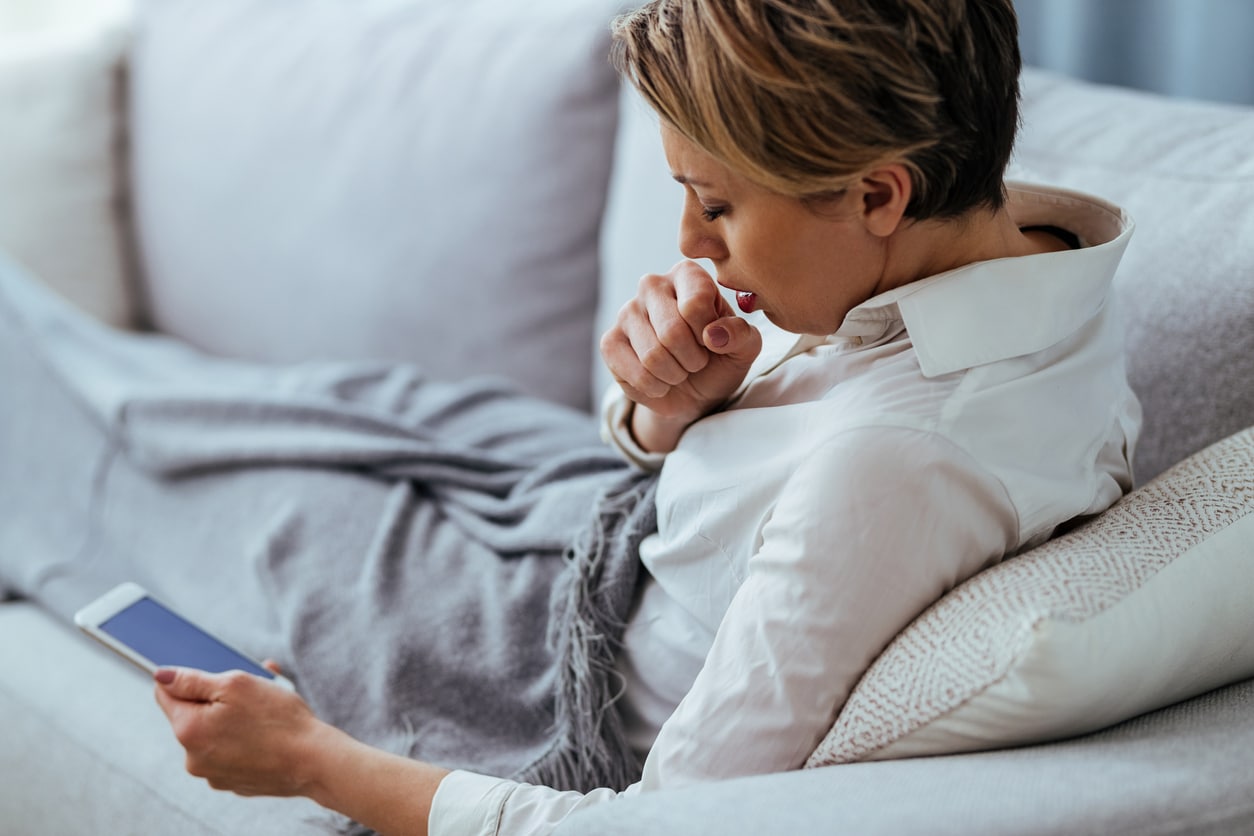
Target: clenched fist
678	350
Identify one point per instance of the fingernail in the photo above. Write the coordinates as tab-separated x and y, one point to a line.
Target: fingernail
165	676
719	336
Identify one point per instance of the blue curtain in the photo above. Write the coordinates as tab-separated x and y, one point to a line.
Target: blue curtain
1202	49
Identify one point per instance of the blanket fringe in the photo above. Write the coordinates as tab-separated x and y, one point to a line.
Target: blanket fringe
590	608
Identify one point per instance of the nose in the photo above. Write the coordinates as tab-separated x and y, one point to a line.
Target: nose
697	236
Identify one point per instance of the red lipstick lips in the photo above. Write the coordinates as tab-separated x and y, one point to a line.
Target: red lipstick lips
747	301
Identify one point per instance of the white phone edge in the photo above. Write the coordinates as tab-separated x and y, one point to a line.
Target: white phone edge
92	615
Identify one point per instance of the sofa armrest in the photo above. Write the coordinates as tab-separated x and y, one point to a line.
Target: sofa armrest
1183	769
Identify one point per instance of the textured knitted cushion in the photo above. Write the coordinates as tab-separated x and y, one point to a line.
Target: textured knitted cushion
1144	605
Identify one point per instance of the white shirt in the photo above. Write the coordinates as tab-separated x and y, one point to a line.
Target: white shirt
852	481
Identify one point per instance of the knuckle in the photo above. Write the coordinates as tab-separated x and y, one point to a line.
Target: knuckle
675	332
196	767
652	281
649	386
185	731
655	357
622	364
693	274
616	348
194	738
630	308
235	681
609	341
697	305
696	361
632	312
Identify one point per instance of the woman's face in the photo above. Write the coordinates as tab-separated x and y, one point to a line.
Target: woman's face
805	269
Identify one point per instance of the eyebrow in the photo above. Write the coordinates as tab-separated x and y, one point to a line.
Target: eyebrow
682	180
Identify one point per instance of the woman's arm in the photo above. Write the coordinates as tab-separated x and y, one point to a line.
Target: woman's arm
874	526
252	737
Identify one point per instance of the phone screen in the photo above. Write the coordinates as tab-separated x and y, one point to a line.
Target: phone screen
169	640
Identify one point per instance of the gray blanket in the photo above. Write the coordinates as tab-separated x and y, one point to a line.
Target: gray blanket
444	569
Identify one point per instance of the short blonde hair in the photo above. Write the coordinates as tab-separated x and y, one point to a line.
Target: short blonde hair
803	96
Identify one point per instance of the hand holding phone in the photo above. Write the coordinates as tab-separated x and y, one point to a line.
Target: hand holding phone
133	624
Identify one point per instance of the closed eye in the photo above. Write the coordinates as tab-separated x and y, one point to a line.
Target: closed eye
712	213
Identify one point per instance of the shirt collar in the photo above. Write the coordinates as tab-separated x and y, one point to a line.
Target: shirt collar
1008	307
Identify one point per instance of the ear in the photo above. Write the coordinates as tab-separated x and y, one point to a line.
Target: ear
885	193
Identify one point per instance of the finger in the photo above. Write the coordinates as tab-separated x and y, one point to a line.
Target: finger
186	684
653	353
661	296
273	667
733	337
635	395
697	297
685	354
623	362
185	719
169	705
656	331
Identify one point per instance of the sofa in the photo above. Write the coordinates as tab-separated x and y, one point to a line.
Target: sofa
468	187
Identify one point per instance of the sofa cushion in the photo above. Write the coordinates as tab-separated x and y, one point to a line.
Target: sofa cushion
1184	172
417	181
1183	770
1142	606
60	184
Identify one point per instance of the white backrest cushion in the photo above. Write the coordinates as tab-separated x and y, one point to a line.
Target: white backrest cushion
411	180
61	188
1184	171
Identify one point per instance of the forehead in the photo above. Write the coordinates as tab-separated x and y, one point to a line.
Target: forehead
690	164
695	167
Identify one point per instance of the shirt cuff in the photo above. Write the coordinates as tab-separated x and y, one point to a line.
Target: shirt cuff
468	804
616	413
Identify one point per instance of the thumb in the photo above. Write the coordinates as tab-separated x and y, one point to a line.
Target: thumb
185	684
734	338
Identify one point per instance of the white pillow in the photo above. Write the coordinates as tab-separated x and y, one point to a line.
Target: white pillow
61	190
417	181
1143	606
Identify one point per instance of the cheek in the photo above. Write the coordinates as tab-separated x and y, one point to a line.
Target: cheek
842	279
853	263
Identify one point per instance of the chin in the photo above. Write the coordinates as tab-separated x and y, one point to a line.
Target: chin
800	329
782	324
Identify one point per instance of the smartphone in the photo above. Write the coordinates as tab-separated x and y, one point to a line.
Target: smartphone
129	621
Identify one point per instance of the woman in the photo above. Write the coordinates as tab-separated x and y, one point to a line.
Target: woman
939	384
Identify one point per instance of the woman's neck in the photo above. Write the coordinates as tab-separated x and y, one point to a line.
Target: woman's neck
926	248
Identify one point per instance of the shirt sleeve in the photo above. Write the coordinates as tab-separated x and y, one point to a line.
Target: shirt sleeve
468	804
616	412
866	534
